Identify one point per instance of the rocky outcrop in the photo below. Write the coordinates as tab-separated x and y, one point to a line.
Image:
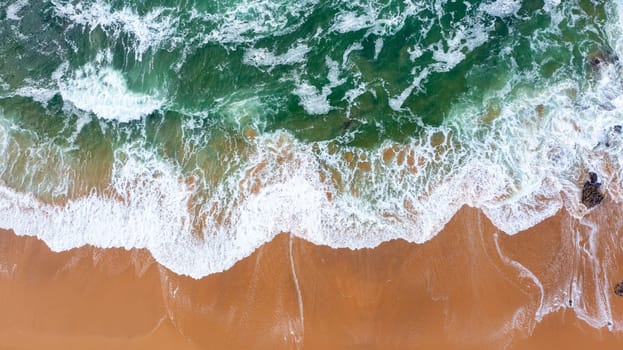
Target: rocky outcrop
591	195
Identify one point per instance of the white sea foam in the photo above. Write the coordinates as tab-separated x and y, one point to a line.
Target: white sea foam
396	103
614	29
250	20
458	41
142	219
38	94
104	92
261	57
35	90
464	38
501	8
352	21
4	85
372	17
551	4
315	101
516	187
149	30
12	11
378	46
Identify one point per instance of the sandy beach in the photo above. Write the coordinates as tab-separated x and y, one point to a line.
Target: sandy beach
457	291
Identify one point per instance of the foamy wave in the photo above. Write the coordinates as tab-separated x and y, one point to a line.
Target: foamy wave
139	218
357	200
374	17
250	20
352	21
13	10
462	38
396	103
315	101
501	8
104	92
352	198
262	57
38	94
465	38
149	30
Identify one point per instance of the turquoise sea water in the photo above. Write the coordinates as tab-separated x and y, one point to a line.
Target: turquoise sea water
201	129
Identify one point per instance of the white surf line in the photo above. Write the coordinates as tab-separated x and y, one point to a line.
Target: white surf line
600	278
297	339
168	291
525	273
601	281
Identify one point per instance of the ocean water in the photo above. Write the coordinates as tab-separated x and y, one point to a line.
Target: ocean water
201	129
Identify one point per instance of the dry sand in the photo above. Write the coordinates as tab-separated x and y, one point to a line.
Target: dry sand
454	292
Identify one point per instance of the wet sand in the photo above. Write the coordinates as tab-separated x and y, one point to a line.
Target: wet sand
471	287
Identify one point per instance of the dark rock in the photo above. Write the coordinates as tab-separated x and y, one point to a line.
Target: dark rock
596	60
591	196
599	58
592	176
618	289
617	129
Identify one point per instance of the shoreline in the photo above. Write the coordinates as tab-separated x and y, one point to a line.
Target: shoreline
471	286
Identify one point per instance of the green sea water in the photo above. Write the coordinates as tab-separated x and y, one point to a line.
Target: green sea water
191	57
223	123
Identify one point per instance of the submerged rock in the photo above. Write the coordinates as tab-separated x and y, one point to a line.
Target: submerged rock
350	124
591	196
618	289
598	59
